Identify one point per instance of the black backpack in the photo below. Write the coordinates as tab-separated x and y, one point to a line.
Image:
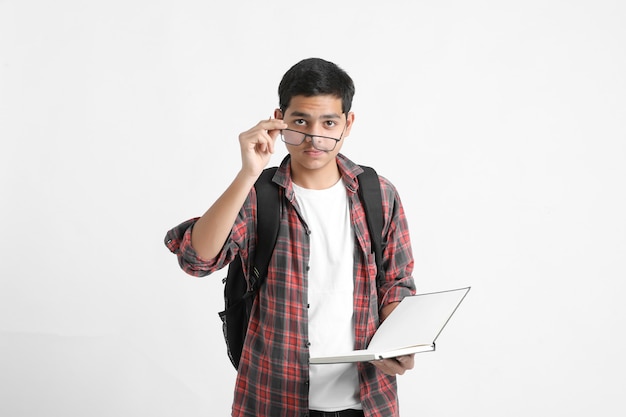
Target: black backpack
239	296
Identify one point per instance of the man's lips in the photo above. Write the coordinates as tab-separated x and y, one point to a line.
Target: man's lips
313	152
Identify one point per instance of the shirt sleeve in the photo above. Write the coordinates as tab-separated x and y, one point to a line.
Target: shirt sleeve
178	241
397	255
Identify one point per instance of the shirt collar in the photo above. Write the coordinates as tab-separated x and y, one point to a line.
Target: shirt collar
348	169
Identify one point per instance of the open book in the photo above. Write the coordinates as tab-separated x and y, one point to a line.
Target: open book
412	327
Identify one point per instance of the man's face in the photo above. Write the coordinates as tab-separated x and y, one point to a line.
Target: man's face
318	116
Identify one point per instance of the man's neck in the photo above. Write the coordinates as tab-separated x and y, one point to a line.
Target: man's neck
318	179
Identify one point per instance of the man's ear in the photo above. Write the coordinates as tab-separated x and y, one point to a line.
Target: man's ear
278	114
349	123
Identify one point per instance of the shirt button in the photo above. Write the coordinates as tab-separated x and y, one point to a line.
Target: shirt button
308	344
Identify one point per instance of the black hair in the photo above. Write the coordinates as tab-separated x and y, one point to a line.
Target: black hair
314	77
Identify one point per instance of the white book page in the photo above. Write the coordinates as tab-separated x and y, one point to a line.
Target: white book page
412	327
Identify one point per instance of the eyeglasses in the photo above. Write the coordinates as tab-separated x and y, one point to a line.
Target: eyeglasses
321	143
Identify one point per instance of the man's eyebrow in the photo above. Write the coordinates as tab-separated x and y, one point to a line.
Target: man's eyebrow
308	116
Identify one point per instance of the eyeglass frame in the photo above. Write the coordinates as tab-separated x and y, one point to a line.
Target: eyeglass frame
305	135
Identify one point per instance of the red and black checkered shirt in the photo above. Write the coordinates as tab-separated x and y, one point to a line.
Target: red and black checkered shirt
272	379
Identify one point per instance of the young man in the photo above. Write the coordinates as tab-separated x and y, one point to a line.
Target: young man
321	294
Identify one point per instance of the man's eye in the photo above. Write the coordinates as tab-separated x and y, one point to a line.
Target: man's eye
330	123
299	122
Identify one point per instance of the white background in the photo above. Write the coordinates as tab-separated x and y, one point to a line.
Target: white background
501	123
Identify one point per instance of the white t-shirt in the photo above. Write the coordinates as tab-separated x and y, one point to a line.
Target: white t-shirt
330	293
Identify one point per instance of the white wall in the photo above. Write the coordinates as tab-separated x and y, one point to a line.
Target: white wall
501	123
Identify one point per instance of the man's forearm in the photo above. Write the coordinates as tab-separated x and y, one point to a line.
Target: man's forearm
386	310
212	229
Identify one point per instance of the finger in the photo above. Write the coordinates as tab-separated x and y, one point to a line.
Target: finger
396	366
272	124
267	142
262	137
274	133
256	139
261	145
389	366
271	139
406	361
268	125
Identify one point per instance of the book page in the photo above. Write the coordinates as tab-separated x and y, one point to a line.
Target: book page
413	326
417	320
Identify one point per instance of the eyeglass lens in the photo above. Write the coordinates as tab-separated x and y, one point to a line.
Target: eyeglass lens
320	143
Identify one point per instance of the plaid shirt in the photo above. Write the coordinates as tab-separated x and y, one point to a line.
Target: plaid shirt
272	379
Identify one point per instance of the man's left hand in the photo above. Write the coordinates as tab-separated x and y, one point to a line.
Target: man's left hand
396	366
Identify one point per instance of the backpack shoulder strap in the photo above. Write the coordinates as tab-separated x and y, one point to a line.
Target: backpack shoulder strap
371	198
268	220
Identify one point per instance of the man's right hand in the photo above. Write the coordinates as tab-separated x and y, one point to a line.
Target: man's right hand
257	146
212	229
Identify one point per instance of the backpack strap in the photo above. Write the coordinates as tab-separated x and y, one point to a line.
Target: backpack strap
371	198
268	221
